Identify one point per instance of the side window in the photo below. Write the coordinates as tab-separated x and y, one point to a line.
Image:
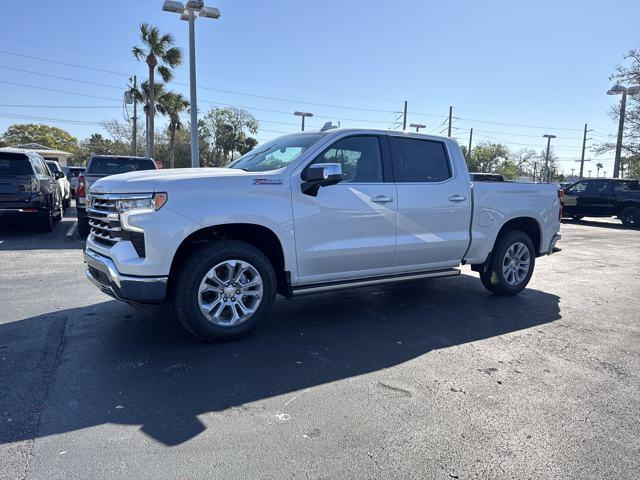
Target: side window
37	166
359	156
579	187
417	160
627	186
600	187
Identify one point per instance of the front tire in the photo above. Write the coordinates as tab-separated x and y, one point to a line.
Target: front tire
630	217
83	226
224	291
511	265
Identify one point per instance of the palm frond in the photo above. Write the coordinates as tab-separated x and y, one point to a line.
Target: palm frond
144	31
165	73
138	53
173	57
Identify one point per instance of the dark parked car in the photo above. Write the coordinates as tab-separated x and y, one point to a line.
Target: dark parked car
100	166
72	174
28	190
604	197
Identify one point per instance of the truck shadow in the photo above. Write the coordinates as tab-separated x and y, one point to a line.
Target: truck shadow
120	366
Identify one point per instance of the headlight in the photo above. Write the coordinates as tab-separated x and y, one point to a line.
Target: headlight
141	203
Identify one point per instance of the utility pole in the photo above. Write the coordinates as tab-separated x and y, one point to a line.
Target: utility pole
469	149
546	157
134	143
623	107
404	117
584	145
450	114
535	171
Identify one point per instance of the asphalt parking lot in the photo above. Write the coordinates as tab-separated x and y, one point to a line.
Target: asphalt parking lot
435	379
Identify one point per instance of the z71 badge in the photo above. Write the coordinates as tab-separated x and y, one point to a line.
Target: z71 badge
267	181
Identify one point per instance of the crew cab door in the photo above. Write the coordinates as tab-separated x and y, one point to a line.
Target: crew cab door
588	197
434	203
349	229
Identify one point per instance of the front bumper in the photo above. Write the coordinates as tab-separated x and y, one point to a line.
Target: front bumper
102	272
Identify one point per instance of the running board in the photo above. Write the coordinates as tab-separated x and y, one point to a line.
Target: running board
370	281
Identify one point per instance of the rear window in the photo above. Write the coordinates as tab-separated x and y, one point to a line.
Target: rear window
54	167
115	165
19	165
73	172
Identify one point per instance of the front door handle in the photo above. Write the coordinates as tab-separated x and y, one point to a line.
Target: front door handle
457	198
382	199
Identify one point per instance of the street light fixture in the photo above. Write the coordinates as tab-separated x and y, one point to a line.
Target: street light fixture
418	126
618	89
546	158
188	13
303	115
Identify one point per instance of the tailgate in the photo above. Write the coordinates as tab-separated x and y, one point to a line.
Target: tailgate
15	189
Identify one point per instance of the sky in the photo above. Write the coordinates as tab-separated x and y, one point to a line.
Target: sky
511	70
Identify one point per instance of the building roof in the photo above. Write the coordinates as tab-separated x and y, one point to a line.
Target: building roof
36	148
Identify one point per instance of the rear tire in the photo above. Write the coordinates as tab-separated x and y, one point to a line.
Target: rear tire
45	222
511	264
630	217
83	226
197	290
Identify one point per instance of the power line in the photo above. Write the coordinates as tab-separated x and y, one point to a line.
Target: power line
101	70
58	106
32	117
59	91
209	72
62	78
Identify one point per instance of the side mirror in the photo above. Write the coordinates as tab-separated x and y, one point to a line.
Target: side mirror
58	175
321	175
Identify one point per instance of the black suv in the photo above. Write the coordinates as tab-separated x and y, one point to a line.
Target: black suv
29	190
604	197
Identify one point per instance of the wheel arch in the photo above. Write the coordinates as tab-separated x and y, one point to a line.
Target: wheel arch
625	204
259	236
528	225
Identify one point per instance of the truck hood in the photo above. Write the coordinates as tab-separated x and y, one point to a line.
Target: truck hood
162	180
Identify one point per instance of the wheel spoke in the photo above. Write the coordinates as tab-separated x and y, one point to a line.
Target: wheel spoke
224	304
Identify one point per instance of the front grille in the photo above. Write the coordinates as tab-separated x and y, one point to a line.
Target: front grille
105	225
104	220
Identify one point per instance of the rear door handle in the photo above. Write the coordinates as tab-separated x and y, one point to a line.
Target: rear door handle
457	198
382	199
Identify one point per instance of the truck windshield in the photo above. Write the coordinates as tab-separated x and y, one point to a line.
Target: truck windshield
275	154
115	165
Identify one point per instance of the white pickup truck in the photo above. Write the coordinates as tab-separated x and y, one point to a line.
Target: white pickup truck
308	213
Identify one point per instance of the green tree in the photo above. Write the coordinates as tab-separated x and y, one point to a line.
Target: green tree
598	166
159	53
627	74
486	157
173	104
96	144
226	131
38	133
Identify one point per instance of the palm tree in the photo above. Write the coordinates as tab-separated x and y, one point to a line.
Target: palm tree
142	95
158	52
598	166
173	104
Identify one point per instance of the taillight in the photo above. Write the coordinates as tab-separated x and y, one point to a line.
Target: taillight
80	186
560	201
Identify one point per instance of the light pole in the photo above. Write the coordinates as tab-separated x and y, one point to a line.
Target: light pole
572	170
546	157
618	89
417	126
188	13
303	115
589	173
